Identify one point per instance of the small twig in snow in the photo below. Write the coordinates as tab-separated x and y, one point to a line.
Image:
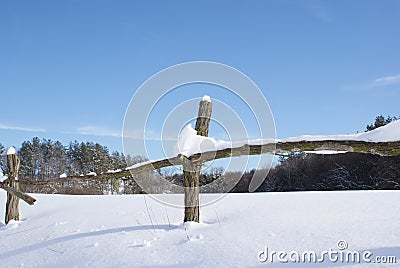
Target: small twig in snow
60	252
148	212
166	212
187	234
219	223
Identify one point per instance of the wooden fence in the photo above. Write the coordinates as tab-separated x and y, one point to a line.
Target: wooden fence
192	165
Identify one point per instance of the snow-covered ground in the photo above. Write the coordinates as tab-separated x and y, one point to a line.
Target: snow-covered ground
120	231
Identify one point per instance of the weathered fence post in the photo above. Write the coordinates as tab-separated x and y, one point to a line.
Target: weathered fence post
12	205
191	172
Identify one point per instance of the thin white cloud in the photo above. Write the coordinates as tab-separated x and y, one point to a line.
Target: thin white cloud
18	128
136	134
386	80
375	83
98	131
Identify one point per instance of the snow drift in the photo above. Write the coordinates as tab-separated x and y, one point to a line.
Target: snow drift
120	231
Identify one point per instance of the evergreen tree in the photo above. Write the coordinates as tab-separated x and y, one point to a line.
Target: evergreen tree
55	158
31	157
37	158
59	159
73	160
117	160
380	121
2	161
102	158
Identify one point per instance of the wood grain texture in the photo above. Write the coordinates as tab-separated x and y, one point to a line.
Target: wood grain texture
12	205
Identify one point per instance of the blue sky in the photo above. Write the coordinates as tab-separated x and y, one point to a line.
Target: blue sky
68	69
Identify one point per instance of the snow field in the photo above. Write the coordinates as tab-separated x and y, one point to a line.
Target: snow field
121	231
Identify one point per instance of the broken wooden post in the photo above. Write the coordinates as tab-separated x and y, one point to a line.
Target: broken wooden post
191	171
12	205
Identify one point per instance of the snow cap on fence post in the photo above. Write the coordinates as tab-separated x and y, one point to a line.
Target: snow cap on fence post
11	150
206	98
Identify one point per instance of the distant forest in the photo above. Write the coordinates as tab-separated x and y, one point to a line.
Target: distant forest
46	159
43	160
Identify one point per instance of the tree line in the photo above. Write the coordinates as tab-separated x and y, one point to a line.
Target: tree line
311	172
47	159
349	171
